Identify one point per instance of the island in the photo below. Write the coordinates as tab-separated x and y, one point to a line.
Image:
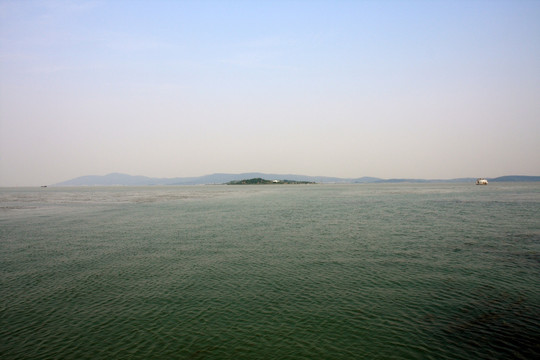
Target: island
261	181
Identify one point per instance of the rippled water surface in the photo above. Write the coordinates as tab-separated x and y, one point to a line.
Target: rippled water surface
408	271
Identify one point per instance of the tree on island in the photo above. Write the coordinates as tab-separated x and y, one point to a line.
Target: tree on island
261	181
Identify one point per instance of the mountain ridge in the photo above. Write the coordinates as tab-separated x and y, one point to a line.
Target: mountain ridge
119	179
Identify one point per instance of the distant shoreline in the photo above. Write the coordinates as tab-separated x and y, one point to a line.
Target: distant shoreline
115	179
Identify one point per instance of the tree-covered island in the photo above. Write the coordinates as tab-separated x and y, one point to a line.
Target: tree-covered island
261	181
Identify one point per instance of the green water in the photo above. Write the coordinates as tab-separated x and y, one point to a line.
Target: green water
407	271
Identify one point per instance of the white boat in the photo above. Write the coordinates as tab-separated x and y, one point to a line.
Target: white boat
481	181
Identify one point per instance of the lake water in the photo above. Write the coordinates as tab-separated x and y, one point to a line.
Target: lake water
385	271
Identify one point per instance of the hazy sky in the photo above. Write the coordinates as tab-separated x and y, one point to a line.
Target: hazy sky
423	89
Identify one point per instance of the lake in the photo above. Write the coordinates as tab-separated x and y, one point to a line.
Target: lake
372	271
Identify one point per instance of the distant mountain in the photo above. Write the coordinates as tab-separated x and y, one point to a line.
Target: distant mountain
224	178
457	180
366	179
220	178
109	180
129	180
516	178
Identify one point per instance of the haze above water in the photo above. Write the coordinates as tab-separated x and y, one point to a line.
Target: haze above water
408	89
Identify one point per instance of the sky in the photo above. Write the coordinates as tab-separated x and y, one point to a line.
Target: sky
390	89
